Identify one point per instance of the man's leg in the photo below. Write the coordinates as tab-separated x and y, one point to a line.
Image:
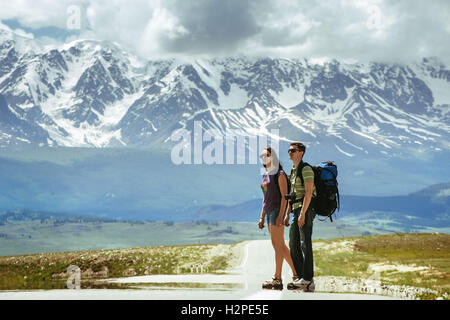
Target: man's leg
294	245
308	266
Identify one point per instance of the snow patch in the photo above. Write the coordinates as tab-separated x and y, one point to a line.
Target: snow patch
440	89
289	97
342	151
443	193
235	99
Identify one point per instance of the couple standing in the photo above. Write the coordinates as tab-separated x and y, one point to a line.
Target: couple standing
276	209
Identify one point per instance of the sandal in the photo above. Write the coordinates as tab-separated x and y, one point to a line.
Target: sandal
275	283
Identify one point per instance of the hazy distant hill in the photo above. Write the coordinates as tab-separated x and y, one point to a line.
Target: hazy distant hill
430	204
27	215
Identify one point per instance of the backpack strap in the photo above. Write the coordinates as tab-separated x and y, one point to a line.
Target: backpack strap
277	175
301	165
338	202
275	179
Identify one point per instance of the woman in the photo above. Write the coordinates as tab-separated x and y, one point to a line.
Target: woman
274	207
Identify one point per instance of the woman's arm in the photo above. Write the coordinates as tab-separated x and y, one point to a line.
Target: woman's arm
282	182
263	214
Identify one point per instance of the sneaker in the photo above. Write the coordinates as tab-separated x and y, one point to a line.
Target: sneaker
275	283
308	286
294	284
302	284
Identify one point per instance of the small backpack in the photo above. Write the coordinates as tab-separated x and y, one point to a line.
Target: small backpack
288	182
326	200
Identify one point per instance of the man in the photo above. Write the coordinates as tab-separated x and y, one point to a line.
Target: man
300	243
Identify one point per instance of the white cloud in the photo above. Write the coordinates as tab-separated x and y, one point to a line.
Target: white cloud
162	24
24	34
381	30
37	14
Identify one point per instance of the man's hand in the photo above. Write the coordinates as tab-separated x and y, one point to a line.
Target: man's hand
301	220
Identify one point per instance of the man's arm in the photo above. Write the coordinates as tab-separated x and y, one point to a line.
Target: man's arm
306	202
286	217
308	177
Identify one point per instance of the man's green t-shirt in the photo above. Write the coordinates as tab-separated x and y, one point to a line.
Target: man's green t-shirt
296	183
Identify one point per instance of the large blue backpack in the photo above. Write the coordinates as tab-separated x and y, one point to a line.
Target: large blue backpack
326	201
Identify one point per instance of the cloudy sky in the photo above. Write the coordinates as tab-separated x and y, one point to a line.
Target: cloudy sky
353	30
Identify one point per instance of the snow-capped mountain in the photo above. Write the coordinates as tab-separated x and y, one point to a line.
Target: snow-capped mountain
96	94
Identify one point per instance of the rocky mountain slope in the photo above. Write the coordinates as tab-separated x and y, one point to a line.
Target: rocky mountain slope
96	94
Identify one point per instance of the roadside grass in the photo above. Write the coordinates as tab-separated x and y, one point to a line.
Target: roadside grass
184	285
49	270
418	260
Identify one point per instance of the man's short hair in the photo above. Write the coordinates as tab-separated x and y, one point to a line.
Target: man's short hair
299	145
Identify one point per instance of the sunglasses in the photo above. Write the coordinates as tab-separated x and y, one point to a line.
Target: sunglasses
293	150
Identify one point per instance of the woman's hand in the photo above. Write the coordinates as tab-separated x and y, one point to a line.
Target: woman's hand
279	221
261	223
286	220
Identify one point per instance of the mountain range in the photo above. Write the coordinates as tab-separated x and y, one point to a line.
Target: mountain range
111	115
90	93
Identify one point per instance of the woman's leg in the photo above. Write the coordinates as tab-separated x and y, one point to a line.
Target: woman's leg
288	258
275	233
281	250
278	242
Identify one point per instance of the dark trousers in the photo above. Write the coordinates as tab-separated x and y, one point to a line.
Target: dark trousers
300	245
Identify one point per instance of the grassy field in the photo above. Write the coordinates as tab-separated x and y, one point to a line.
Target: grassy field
418	260
49	271
34	236
414	260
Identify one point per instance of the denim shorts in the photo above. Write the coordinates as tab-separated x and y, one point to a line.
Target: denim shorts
272	216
